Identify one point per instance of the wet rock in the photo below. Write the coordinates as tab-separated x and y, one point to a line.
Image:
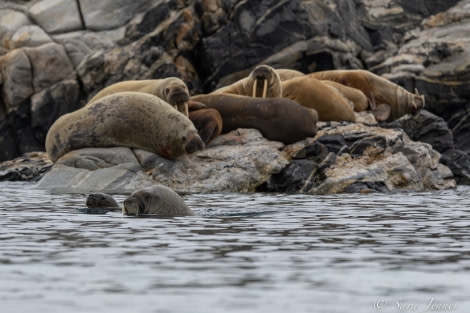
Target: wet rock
29	167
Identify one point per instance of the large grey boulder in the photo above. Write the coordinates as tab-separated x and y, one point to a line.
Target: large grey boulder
237	162
57	16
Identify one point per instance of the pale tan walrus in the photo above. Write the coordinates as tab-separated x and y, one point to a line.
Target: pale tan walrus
125	119
171	89
379	90
312	93
263	82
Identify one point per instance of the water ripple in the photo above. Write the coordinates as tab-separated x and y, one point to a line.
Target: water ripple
245	252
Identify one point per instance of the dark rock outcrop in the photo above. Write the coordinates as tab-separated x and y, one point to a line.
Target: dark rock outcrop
55	55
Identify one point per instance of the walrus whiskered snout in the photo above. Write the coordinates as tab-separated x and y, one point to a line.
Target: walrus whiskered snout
132	206
193	144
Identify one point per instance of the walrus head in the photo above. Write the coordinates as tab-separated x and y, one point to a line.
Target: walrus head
100	200
264	76
193	143
133	205
176	93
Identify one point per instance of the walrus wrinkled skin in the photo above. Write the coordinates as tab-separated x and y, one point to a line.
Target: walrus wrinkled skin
207	121
276	118
379	90
263	82
171	89
312	93
101	200
126	119
156	200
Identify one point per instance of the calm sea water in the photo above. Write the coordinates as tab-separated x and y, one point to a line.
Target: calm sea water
407	252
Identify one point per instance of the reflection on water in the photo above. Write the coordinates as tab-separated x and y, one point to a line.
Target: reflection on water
244	253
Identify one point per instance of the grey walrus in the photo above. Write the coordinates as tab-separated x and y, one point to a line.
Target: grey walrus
101	200
125	119
156	200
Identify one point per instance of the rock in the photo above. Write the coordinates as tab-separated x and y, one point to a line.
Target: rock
101	15
51	64
29	36
56	16
459	163
29	167
17	79
49	104
426	127
363	159
235	162
10	22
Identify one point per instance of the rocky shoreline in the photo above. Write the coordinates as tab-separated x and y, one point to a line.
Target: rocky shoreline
55	56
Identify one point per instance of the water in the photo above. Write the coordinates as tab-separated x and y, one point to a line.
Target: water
406	252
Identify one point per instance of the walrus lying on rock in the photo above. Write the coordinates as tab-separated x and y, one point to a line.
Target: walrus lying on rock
276	118
156	200
380	91
174	91
125	119
263	82
171	89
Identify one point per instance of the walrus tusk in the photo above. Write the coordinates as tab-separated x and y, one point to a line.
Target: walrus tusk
254	88
186	110
372	103
265	88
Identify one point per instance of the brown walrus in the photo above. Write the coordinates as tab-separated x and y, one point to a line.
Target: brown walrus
312	93
263	82
207	121
171	89
276	118
379	91
127	119
156	200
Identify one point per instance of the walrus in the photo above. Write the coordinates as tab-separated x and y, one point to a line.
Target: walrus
207	121
263	82
156	200
127	119
286	74
312	93
379	91
101	200
277	119
356	96
171	89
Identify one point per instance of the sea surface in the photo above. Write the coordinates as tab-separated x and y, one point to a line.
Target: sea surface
401	252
